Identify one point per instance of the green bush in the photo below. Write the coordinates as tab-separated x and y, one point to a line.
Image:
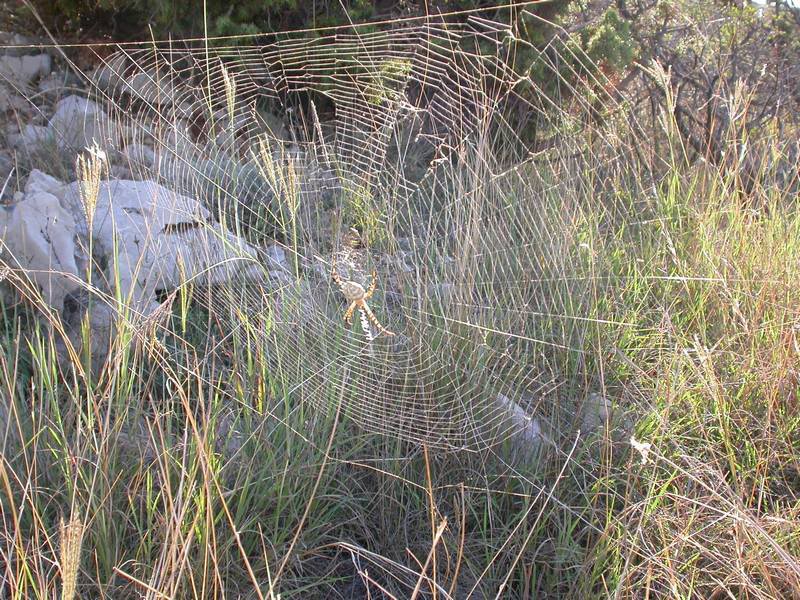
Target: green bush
133	18
89	17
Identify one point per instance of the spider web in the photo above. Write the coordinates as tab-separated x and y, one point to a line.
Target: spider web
395	150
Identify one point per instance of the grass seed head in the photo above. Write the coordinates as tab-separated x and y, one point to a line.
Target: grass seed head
89	170
71	534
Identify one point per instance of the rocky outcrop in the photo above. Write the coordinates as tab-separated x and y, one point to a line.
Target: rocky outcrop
76	124
144	240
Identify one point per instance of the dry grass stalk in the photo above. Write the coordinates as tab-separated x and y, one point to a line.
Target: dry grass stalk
230	92
71	534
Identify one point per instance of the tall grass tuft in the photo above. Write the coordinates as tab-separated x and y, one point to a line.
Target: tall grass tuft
638	307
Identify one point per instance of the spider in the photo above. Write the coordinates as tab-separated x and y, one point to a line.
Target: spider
357	296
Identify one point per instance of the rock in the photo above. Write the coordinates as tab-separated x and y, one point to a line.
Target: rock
277	265
14	39
151	88
10	67
34	67
52	83
597	412
11	100
276	255
39	236
145	239
141	154
22	70
31	137
77	123
112	71
527	430
163	238
42	182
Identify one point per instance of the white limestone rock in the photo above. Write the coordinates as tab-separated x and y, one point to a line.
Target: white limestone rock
39	181
78	122
8	38
162	239
145	239
141	154
39	235
31	137
528	431
36	67
22	70
111	72
11	99
10	66
596	413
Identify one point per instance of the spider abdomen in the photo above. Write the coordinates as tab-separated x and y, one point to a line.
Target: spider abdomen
353	291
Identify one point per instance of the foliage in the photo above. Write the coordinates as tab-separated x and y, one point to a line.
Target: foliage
198	475
361	211
131	18
190	468
609	43
732	72
386	85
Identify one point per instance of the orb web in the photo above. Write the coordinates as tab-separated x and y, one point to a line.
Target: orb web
394	151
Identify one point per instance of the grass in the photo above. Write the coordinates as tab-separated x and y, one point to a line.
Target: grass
225	450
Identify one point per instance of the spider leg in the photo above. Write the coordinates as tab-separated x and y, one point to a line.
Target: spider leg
335	274
348	316
372	285
374	319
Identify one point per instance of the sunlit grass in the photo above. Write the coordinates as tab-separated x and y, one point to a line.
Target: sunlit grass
190	466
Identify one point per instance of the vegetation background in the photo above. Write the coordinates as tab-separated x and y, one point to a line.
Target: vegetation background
708	273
